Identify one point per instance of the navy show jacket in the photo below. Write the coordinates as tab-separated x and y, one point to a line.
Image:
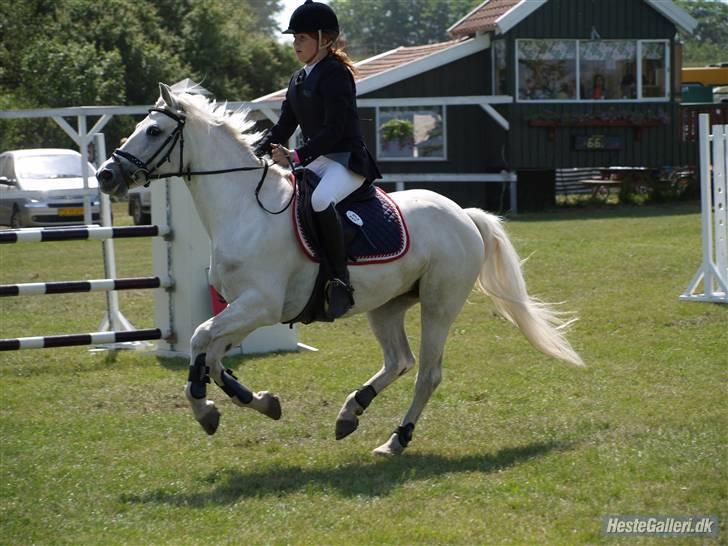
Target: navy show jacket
324	105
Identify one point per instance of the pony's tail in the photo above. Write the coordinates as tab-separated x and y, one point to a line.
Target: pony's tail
502	280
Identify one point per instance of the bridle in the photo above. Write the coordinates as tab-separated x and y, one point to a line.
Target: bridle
177	135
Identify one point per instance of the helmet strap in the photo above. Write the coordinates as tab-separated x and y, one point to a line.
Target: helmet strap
321	45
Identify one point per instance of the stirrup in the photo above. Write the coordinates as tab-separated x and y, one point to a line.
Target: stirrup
338	299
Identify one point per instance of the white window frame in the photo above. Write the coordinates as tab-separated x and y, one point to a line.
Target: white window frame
578	99
412	159
668	72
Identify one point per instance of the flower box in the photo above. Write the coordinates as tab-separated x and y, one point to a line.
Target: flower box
637	125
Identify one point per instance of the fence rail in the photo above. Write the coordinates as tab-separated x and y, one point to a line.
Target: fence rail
70	340
95	285
41	235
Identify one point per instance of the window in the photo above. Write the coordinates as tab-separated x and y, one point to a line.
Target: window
499	68
44	167
608	69
546	69
592	70
6	168
411	133
654	69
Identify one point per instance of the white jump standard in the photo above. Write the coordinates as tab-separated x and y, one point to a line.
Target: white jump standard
713	271
181	295
125	333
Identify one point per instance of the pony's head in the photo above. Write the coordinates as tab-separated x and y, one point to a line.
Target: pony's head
156	148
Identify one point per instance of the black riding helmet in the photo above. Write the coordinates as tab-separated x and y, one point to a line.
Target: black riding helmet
312	17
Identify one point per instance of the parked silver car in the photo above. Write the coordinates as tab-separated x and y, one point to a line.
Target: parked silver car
50	180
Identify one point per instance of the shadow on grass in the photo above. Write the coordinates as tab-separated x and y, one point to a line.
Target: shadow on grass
233	362
372	478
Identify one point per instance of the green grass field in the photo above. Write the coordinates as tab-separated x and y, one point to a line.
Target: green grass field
514	448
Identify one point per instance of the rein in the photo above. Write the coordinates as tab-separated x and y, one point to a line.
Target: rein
178	135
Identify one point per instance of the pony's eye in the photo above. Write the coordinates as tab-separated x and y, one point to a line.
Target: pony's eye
153	130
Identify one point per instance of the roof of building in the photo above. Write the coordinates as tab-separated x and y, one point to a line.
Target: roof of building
483	17
403	62
397	57
500	16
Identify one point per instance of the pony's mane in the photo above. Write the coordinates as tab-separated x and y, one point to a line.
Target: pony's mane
237	123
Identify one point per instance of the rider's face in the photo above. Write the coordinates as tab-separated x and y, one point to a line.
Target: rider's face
306	47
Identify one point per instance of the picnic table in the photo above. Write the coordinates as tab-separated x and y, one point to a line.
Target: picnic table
625	179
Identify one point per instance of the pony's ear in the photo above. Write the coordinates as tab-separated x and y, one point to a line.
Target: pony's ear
165	92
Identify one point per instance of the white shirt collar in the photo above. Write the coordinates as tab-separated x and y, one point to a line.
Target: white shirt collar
309	67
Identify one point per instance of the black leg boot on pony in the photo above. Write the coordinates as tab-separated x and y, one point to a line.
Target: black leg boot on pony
338	291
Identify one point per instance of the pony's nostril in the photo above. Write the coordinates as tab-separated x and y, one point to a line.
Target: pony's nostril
104	175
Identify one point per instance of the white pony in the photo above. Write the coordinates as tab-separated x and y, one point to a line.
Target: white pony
258	266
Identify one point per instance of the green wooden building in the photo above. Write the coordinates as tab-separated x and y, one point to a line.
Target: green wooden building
524	88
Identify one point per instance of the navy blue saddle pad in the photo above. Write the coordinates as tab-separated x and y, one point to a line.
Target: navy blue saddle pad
374	228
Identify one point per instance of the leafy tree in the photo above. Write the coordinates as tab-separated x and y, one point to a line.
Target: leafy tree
71	73
230	57
148	53
21	24
265	12
709	43
56	53
376	26
712	17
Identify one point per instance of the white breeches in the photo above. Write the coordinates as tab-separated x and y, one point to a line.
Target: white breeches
337	182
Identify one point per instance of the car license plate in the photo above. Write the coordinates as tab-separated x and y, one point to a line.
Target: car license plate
75	211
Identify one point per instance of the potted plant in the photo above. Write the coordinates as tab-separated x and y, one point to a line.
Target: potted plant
398	130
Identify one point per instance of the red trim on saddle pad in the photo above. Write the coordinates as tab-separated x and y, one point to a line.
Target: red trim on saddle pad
369	259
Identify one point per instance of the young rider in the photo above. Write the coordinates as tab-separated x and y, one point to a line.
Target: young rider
321	99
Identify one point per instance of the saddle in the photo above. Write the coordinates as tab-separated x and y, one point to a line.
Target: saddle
375	232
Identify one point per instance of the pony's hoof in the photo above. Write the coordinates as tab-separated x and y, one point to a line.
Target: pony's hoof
273	407
345	427
210	421
389	448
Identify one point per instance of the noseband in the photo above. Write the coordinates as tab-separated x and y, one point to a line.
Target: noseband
144	169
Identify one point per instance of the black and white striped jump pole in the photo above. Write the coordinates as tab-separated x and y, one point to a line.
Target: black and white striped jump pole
70	340
39	235
96	285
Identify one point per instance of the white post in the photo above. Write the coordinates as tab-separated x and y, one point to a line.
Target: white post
114	320
82	138
83	142
186	258
720	202
714	218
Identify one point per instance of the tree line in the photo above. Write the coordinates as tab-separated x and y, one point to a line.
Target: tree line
374	26
709	43
57	53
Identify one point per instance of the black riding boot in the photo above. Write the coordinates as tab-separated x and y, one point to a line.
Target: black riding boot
339	298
